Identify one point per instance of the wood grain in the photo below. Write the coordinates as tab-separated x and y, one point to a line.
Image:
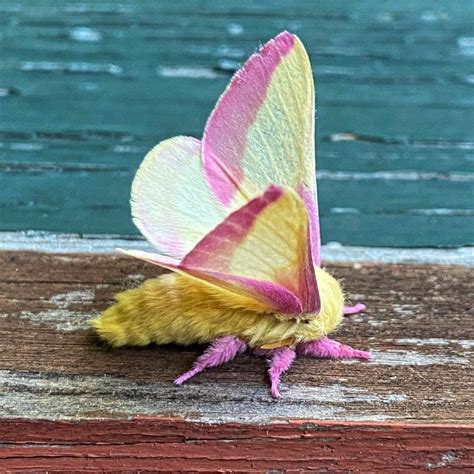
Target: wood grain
418	325
87	88
175	445
68	402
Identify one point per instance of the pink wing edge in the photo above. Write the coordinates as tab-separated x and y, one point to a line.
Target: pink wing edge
235	111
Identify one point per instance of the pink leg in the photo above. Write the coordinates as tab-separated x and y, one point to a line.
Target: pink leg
358	308
330	349
279	363
221	350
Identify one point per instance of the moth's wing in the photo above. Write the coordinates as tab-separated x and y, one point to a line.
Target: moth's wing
171	201
262	130
261	251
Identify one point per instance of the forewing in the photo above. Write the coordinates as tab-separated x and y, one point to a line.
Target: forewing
262	130
171	201
262	250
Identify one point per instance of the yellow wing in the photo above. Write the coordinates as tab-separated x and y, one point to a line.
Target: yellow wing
262	130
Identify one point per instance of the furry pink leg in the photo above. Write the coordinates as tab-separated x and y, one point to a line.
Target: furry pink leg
358	308
330	349
280	362
222	350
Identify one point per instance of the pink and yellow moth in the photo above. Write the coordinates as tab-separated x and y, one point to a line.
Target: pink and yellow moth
235	218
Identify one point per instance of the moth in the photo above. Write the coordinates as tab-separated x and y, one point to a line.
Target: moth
234	216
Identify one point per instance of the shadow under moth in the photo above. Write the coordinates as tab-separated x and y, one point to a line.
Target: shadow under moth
235	217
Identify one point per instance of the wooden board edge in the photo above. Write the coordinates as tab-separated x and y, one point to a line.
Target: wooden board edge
333	252
172	444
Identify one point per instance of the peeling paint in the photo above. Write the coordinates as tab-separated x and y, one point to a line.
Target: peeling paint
61	320
415	358
64	300
405	309
332	252
410	358
136	278
446	458
464	343
53	396
375	323
60	317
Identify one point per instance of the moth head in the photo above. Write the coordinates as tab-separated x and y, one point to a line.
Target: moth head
315	325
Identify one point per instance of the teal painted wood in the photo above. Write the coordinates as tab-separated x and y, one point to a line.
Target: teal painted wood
88	88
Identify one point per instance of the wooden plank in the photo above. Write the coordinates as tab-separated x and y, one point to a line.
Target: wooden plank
176	445
417	325
115	78
69	402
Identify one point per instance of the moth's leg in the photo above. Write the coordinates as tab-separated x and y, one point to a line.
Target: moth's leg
329	349
221	350
358	308
279	363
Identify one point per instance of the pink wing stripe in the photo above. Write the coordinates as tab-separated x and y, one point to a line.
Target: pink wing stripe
311	300
226	129
213	255
309	200
216	248
274	295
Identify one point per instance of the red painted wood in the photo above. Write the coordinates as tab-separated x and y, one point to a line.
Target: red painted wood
172	444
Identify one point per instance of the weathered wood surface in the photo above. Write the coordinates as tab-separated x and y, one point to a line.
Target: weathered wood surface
151	445
87	88
40	241
67	401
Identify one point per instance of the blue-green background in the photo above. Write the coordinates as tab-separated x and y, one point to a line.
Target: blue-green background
88	87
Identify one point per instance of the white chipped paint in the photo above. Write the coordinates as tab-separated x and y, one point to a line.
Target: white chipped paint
375	323
84	34
62	320
72	67
230	51
332	252
394	176
60	317
465	343
404	309
128	149
413	358
99	7
25	146
433	16
67	259
235	29
447	458
136	278
435	341
64	300
441	212
58	396
344	210
196	72
466	45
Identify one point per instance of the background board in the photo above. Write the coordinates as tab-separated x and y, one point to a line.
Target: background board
87	88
